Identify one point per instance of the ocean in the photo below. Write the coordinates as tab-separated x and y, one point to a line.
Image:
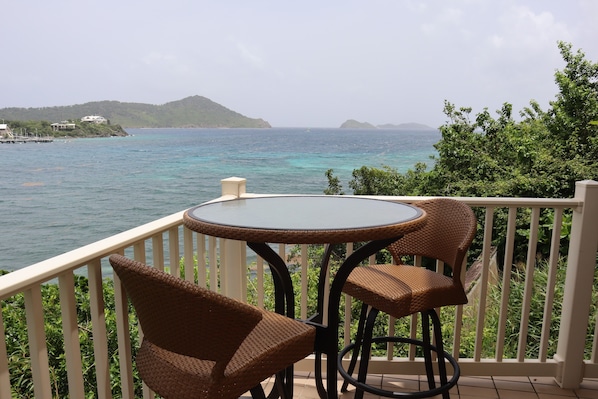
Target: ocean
55	197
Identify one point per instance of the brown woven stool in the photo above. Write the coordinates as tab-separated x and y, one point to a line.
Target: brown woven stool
200	344
402	290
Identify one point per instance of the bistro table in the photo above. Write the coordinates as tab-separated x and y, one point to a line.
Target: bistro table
261	221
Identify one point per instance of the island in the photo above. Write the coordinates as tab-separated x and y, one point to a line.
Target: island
353	124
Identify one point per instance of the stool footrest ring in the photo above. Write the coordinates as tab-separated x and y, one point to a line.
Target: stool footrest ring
391	394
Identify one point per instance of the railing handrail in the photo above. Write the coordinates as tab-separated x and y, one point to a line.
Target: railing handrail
22	279
473	201
496	201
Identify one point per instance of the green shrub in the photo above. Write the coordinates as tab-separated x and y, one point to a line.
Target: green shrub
13	313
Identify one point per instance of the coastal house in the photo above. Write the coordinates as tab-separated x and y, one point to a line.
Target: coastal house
94	119
5	131
64	125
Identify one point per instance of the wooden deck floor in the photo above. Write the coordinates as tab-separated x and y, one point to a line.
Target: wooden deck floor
467	387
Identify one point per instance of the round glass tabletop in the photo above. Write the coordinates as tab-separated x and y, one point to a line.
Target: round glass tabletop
319	216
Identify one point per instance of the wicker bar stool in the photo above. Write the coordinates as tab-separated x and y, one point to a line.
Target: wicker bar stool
401	290
200	344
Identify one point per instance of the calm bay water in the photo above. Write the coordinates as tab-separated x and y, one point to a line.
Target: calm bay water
59	196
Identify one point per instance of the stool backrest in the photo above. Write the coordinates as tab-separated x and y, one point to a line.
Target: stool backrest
450	228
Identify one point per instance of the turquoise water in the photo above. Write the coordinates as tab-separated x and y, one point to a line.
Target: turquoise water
59	196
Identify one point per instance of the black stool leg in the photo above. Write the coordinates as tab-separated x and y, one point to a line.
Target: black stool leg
319	379
440	350
257	392
358	341
366	348
427	349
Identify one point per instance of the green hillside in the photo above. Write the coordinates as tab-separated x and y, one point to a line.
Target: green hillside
195	111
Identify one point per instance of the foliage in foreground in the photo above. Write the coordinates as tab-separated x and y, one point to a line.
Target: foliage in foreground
13	313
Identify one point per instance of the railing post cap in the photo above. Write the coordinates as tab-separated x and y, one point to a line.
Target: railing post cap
586	183
234	179
233	186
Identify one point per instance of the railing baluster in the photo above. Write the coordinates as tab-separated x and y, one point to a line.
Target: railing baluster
282	252
458	326
506	282
348	300
413	334
347	322
391	333
413	330
100	336
72	348
4	373
222	261
481	318
529	283
213	263
594	355
327	285
124	342
188	255
260	282
37	343
173	251
553	264
139	253
202	270
245	273
304	281
158	251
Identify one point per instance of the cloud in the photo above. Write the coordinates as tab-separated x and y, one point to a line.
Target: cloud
157	58
521	27
250	56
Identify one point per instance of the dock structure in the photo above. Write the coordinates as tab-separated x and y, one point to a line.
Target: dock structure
12	139
7	136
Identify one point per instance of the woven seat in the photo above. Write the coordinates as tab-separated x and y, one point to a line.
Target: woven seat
401	290
200	344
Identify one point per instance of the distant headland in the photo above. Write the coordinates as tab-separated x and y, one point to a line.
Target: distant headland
353	124
190	112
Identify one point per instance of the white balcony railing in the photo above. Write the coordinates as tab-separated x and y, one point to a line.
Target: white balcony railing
166	241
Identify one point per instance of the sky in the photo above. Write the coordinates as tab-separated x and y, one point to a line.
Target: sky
308	63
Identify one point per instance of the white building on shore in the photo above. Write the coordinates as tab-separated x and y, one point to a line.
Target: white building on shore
5	130
94	119
64	125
